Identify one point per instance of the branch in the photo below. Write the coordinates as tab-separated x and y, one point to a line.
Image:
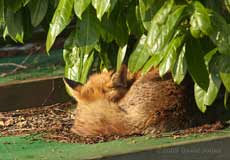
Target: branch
13	64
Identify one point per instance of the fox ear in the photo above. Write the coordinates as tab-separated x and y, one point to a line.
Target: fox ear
73	88
119	79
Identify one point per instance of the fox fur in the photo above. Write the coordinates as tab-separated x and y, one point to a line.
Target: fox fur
122	103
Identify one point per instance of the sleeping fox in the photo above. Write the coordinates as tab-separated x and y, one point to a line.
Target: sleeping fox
122	103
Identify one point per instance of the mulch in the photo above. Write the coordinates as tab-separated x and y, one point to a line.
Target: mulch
54	123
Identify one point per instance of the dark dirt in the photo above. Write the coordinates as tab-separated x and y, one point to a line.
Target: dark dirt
54	123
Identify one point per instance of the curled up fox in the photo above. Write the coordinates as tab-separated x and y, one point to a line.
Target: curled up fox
122	103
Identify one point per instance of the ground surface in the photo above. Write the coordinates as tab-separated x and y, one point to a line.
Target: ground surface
54	123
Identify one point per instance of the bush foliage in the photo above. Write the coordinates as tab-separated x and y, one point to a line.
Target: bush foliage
179	36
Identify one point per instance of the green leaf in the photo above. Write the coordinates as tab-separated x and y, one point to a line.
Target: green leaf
227	5
2	12
213	89
226	100
112	6
199	97
180	68
38	9
80	6
14	5
221	34
87	31
156	27
5	33
101	7
152	62
115	28
148	8
160	33
25	2
108	55
225	77
206	97
86	67
222	62
79	47
172	51
200	20
139	56
73	60
60	20
28	28
120	56
134	20
159	36
14	23
196	64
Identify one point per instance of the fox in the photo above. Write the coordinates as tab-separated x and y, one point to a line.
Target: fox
124	103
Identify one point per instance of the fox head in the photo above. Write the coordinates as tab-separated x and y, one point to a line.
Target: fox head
106	85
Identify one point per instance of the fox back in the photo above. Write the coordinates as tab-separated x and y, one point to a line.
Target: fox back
121	103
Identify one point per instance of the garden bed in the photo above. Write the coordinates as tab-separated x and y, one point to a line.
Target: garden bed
54	123
43	130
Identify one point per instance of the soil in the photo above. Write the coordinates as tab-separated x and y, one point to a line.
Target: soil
54	123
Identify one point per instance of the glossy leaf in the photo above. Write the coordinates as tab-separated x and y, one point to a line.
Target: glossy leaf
227	5
159	37
139	56
115	28
87	31
180	68
80	6
134	21
221	34
73	58
207	97
112	6
156	27
154	42
86	67
14	5
79	47
223	64
120	56
38	9
152	62
161	34
199	97
148	8
225	77
2	6
60	20
25	2
172	51
200	19
108	55
214	78
14	23
101	7
196	64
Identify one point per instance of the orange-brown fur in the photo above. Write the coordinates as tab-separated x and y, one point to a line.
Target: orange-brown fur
123	104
